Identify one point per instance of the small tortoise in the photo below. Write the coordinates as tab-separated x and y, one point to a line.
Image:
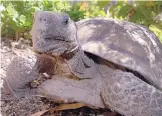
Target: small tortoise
114	64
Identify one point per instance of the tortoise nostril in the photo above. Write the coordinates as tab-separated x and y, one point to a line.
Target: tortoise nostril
43	19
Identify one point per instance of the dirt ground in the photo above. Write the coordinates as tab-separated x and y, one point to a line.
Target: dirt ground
29	106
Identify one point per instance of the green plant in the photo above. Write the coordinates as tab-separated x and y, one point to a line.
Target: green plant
16	16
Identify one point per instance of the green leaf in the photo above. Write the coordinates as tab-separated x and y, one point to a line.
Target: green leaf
102	4
22	18
35	8
11	11
124	11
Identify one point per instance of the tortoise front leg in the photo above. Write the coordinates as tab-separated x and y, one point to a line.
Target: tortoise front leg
23	70
63	89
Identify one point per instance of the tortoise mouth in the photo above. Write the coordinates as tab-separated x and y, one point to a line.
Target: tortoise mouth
58	38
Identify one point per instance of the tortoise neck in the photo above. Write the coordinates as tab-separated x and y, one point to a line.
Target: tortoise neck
71	54
80	61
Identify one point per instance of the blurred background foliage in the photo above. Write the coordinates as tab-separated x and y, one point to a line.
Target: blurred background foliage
16	16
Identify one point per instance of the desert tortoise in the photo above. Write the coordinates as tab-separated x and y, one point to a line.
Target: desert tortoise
121	60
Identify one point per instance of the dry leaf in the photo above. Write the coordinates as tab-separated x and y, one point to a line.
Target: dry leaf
63	107
40	113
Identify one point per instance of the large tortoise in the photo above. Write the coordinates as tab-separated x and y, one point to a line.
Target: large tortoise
114	64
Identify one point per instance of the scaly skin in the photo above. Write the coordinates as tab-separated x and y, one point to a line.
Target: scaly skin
23	69
27	66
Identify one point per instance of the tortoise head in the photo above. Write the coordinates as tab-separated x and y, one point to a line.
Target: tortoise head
53	32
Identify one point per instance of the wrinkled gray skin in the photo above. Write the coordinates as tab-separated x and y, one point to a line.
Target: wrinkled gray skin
122	59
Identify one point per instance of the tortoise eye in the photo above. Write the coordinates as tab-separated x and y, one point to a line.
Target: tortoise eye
66	20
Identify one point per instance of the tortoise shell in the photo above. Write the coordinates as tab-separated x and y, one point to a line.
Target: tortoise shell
124	43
